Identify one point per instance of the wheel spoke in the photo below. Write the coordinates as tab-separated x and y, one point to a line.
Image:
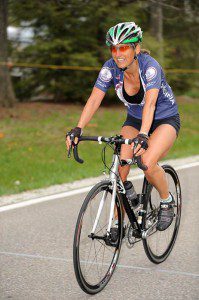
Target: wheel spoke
159	243
90	251
102	228
108	248
90	263
95	257
102	259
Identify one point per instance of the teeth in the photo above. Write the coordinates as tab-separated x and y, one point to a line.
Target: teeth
120	59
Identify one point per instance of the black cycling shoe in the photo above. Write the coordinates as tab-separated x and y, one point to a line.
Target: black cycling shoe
165	215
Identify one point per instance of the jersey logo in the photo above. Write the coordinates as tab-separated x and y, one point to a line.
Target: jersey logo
168	94
151	73
105	74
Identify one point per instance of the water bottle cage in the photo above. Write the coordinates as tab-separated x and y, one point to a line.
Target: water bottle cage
141	198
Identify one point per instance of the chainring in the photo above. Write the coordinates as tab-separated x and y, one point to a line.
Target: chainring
131	238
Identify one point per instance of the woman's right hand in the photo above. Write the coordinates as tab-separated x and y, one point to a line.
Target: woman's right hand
72	137
140	144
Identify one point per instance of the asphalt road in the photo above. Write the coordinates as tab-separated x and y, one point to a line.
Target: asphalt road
36	254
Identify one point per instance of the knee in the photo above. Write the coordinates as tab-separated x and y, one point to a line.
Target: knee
124	171
151	165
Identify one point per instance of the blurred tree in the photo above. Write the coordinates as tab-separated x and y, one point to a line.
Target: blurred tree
66	33
72	32
156	26
181	33
7	97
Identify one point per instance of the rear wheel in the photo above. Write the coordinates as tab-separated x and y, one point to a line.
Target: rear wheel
95	256
158	244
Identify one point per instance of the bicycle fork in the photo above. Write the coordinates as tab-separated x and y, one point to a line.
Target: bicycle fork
113	179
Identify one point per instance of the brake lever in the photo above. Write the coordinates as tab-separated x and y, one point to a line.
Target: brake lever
71	146
69	151
137	159
140	164
76	156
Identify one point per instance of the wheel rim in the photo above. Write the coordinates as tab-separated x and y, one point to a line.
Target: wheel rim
159	243
96	260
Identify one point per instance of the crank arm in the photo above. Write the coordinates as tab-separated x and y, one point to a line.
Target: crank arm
146	233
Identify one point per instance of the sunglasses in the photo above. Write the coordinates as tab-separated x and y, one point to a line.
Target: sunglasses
122	49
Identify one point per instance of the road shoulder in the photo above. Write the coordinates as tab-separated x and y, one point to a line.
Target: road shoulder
86	183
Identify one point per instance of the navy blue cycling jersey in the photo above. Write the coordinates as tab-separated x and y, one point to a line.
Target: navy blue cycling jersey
151	75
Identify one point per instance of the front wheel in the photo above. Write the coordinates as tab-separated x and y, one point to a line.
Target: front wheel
94	255
158	244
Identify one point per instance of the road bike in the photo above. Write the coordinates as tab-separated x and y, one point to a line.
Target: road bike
95	250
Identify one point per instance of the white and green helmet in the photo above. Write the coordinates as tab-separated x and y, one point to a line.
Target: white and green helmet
124	33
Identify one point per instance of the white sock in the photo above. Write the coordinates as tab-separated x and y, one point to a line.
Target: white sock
169	199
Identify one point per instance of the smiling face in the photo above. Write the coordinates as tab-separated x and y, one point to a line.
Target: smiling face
123	54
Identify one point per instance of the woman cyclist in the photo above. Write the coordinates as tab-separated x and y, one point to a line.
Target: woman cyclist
152	113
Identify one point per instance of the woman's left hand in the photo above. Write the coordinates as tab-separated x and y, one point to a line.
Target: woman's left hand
140	144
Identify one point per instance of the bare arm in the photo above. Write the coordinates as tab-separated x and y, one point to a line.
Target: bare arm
148	110
91	107
147	115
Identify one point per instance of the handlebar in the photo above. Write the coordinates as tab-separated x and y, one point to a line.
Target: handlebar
117	140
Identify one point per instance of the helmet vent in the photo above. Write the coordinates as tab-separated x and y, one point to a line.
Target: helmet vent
132	35
123	25
115	32
110	38
125	31
122	34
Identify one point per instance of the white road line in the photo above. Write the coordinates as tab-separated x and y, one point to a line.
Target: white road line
44	199
76	192
31	256
190	165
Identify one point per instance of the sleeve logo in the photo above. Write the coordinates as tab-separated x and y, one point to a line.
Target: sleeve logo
105	74
151	73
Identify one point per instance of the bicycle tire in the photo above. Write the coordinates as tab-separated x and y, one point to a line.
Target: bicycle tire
151	212
85	285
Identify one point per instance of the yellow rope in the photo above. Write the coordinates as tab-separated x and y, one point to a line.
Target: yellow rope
55	67
83	68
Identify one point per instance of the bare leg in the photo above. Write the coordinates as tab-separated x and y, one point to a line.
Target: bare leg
160	142
128	132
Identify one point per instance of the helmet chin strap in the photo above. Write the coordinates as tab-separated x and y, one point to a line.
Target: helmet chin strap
127	67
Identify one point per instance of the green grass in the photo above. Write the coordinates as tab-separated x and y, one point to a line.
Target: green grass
193	93
32	143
